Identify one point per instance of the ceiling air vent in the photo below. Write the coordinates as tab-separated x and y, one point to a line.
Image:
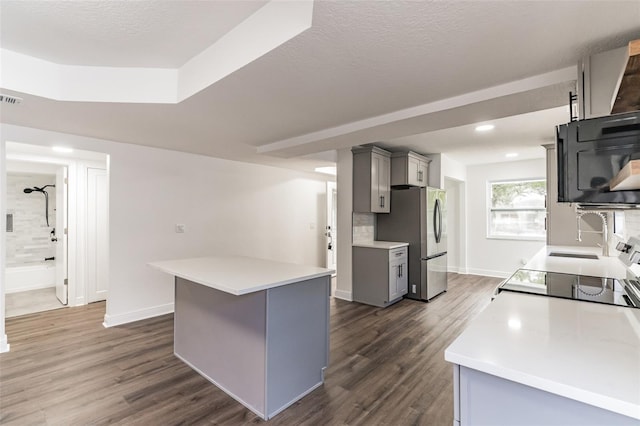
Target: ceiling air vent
8	99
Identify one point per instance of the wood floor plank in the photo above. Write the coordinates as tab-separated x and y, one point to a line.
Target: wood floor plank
386	368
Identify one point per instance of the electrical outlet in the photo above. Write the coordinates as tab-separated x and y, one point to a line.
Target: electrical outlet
180	227
413	288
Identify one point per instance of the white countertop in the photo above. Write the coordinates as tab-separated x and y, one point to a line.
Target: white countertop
588	352
239	275
384	245
610	267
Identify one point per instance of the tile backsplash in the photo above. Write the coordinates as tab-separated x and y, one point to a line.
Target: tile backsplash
363	227
30	239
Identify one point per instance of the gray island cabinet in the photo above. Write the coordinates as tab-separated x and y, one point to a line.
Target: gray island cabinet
257	329
535	360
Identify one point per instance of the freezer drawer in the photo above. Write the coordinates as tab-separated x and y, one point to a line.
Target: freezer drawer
434	276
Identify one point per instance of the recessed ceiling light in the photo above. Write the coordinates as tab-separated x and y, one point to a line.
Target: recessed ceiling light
511	154
329	170
484	127
62	149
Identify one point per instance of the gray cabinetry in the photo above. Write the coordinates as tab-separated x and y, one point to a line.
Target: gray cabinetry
371	180
409	168
483	399
379	275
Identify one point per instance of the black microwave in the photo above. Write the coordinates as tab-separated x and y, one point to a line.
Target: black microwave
591	152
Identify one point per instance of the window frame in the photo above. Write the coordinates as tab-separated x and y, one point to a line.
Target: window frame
490	209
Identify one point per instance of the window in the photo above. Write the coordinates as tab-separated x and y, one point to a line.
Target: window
517	209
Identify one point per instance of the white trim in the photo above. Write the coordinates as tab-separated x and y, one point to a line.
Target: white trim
456	269
127	317
28	288
4	344
489	273
343	295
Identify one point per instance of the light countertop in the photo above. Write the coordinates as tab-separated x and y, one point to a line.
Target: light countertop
239	275
584	351
610	267
384	245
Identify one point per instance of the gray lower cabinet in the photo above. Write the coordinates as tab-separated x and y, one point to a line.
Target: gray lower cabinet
379	275
483	399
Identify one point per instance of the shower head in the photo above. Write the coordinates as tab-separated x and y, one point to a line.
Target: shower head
46	198
36	189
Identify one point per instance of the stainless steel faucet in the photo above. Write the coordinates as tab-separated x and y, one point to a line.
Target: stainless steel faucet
604	232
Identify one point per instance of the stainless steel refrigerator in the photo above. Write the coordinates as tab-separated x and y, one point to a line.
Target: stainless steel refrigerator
419	217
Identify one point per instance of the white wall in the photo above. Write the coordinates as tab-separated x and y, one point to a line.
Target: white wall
441	167
456	235
228	208
496	257
4	345
344	181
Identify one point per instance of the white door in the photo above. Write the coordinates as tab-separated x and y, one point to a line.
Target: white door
331	228
61	235
97	237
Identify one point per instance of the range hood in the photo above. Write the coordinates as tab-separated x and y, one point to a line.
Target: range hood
627	93
609	82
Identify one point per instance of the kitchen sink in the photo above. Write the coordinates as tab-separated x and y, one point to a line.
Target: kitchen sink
573	255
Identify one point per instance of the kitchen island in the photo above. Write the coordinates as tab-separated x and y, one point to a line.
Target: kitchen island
532	360
257	329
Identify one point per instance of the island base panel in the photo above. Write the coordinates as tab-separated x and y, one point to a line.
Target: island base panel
222	336
297	341
265	349
487	399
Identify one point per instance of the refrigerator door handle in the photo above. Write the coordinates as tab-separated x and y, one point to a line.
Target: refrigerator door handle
437	224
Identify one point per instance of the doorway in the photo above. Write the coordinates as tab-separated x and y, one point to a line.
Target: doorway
331	231
35	256
54	254
456	243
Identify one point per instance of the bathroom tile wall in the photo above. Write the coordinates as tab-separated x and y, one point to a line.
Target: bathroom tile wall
30	240
363	227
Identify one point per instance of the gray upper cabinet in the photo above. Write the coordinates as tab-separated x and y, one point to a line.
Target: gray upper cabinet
409	168
371	180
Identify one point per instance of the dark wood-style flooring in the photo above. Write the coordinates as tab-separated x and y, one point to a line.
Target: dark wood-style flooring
387	367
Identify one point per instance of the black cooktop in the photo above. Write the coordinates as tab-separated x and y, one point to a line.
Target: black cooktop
577	287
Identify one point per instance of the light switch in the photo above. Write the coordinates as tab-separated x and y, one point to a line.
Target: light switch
180	228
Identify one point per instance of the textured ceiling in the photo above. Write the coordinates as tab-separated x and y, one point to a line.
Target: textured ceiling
522	134
359	59
160	34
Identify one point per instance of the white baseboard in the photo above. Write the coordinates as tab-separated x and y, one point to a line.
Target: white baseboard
457	270
4	344
344	295
489	273
27	288
154	311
